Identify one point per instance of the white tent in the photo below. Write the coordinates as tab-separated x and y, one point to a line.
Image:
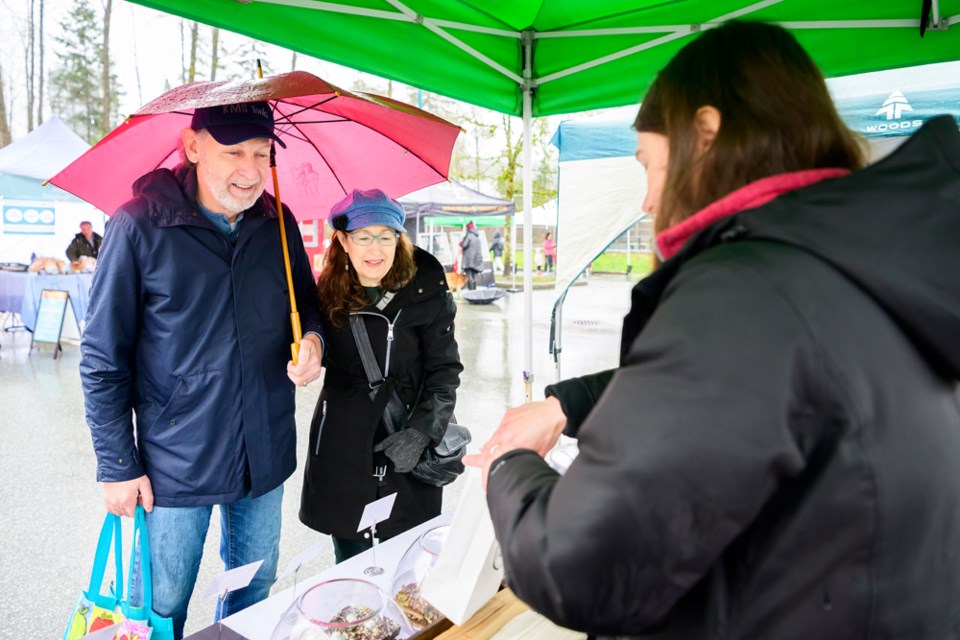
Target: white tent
601	188
546	214
43	152
37	219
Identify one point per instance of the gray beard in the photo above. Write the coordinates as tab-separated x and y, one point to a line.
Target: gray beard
226	199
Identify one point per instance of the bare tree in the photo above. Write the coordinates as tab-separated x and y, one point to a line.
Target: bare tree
194	37
183	52
136	63
214	53
506	183
29	64
105	84
5	137
42	72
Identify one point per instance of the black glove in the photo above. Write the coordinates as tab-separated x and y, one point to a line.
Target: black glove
404	448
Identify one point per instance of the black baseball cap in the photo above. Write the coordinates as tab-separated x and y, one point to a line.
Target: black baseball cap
236	123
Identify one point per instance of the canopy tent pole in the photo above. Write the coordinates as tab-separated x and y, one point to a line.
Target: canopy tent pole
527	88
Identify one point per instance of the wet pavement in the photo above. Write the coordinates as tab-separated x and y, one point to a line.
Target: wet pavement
51	507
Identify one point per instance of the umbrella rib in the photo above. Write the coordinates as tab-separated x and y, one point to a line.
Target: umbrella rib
301	108
302	136
288	126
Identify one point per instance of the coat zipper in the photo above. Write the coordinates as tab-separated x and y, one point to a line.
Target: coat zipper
323	419
386	364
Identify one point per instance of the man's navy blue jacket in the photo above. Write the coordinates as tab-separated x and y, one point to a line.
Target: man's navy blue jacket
192	333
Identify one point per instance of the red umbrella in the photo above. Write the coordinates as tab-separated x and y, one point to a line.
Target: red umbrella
336	141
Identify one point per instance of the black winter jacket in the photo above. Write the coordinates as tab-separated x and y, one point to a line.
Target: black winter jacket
472	253
425	366
80	246
777	455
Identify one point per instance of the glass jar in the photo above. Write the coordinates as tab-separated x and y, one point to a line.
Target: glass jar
414	565
342	609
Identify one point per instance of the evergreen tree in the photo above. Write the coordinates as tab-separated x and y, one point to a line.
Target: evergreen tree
75	85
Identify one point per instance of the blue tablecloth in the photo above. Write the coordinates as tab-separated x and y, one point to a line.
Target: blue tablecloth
76	284
12	286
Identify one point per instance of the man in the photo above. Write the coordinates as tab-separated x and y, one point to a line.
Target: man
188	329
86	243
472	255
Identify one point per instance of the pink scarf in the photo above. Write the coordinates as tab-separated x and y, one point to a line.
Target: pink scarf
753	195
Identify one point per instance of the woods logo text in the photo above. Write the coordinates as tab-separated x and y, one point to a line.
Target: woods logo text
894	108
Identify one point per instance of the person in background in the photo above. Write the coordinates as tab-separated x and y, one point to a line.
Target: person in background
375	276
186	331
549	252
472	260
774	456
496	250
86	243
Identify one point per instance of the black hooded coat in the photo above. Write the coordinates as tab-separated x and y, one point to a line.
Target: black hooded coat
425	367
776	457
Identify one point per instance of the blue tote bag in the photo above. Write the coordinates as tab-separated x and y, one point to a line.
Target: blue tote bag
95	610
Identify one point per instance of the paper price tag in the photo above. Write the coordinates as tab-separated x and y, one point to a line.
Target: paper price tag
304	557
232	580
376	511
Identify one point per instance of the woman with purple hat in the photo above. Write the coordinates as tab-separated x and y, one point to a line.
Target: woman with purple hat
390	357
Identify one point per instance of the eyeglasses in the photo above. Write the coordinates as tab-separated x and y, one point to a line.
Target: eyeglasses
366	239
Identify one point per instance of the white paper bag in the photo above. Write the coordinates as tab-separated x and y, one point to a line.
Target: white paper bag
469	570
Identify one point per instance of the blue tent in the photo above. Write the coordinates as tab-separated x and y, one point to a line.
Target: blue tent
884	107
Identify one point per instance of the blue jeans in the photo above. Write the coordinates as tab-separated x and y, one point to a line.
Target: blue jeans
249	531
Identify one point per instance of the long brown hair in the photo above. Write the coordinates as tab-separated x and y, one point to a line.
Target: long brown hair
776	116
338	288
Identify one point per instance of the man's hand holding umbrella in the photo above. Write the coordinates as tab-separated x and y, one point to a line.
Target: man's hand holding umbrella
309	361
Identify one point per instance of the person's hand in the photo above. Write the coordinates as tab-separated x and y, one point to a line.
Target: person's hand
534	425
404	448
122	498
309	361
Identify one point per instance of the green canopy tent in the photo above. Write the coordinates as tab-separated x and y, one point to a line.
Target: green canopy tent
543	57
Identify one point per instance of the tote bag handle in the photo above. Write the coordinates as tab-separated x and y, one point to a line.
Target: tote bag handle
111	527
141	536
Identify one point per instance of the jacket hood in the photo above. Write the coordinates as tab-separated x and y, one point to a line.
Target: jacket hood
172	193
892	229
430	278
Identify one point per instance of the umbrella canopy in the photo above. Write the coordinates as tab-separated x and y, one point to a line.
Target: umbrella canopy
583	55
336	141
